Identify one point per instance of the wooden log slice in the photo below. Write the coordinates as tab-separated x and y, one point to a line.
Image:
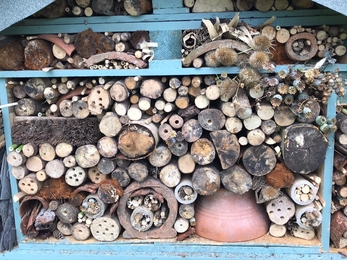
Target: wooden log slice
98	100
107	147
191	130
284	116
170	175
87	156
86	43
54	10
280	210
234	125
255	137
138	170
103	7
75	176
122	176
80	109
244	5
310	117
268	126
27	107
55	168
47	152
38	54
152	88
263	5
186	211
69	161
341	122
303	147
236	179
186	164
305	36
119	92
95	175
63	149
15	159
136	141
211	119
206	180
106	228
35	163
110	125
35	87
41	175
80	232
64	228
227	147
30	184
161	156
179	148
65	108
19	172
30	149
259	160
203	151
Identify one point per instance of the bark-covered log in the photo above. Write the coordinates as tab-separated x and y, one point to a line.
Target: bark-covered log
259	160
303	147
206	180
38	54
236	179
11	54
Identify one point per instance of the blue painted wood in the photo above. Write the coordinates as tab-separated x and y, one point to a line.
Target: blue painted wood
164	4
326	186
171	11
8	138
174	17
170	44
156	68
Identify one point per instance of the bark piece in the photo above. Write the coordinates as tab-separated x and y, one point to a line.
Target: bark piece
338	227
259	160
236	179
227	147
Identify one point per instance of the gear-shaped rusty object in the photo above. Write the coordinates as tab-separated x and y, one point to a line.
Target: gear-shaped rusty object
306	36
166	230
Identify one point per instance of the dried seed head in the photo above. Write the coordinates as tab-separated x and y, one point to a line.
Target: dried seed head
282	74
309	74
211	59
249	77
302	96
288	99
282	88
269	193
226	56
276	100
258	59
261	43
273	82
301	86
292	90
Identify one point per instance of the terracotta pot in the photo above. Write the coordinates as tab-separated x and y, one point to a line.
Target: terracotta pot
229	217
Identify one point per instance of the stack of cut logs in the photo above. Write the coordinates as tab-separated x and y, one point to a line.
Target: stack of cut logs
339	201
247	5
63	8
286	45
124	144
86	49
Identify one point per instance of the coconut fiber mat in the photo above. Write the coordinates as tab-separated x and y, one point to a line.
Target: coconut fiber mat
55	130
